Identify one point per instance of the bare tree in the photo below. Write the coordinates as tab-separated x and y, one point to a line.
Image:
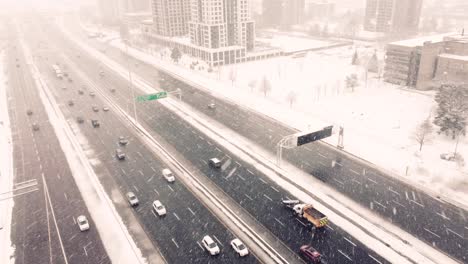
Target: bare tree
423	133
265	86
352	81
232	75
252	85
291	97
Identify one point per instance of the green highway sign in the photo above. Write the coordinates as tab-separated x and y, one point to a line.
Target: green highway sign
151	97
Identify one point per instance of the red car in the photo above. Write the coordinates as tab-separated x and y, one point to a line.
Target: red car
311	254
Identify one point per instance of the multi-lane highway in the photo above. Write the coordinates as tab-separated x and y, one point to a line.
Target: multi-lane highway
44	228
429	218
240	180
178	234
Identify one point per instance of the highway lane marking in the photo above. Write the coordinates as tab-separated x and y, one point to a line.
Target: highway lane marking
123	171
170	188
399	203
218	149
136	189
356	181
406	194
209	143
33	223
395	192
262	180
176	216
380	204
141	173
327	226
152	211
369	179
70	239
175	243
65	194
150	179
153	169
139	154
249	171
266	196
321	155
250	198
191	211
58	176
443	215
203	249
374	258
238	175
276	190
231	173
204	161
346	256
279	222
355	172
417	203
340	182
238	164
434	234
455	233
86	253
156	191
349	241
217	240
300	222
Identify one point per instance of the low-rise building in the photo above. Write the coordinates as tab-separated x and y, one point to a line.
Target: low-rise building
425	63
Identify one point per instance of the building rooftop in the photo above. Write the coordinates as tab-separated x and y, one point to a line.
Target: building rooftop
453	56
418	42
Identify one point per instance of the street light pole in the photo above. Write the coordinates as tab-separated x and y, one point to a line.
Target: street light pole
131	81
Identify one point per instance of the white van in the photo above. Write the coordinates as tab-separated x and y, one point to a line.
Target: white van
168	175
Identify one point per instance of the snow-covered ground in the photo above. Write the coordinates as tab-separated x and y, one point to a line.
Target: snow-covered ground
379	118
6	171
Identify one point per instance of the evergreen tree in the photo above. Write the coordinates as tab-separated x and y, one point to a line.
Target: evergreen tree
355	60
452	110
176	55
373	65
352	82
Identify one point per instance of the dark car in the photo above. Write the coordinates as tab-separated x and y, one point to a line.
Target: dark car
80	92
29	112
95	123
311	254
80	120
35	127
92	94
70	103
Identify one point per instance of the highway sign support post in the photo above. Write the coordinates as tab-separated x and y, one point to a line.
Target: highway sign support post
299	139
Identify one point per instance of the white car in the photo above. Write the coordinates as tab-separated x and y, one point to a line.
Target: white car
239	247
132	199
159	208
168	175
210	245
83	223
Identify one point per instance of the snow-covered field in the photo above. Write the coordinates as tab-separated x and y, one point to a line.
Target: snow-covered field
379	119
6	171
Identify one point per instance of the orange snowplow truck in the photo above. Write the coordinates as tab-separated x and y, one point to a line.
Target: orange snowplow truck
308	212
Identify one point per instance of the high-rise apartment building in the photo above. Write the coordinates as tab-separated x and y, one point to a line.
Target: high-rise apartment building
109	11
170	17
392	15
283	13
221	23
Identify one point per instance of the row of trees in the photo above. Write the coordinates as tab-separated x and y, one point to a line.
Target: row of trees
451	115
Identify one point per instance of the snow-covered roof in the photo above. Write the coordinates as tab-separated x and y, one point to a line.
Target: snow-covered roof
454	57
415	42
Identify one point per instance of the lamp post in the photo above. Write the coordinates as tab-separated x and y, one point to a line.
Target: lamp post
131	80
